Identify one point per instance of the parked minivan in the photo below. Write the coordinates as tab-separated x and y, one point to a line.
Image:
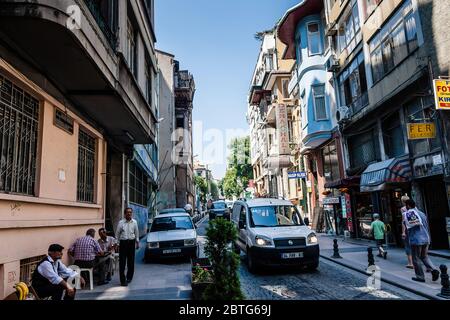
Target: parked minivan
272	233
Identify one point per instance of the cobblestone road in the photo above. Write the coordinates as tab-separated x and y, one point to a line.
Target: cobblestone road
329	282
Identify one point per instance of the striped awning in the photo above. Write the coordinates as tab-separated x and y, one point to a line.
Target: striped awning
379	176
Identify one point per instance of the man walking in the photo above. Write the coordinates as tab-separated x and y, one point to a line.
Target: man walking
419	238
378	229
128	235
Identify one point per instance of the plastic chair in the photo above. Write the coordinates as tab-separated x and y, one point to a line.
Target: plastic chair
115	257
76	280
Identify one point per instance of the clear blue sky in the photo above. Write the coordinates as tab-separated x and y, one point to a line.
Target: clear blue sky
214	40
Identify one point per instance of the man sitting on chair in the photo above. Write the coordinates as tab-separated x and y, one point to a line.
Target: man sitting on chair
109	246
50	276
85	250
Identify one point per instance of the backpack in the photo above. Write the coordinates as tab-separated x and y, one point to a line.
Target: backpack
412	218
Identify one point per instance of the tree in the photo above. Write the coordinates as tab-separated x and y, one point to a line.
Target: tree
231	186
225	263
202	186
239	165
214	190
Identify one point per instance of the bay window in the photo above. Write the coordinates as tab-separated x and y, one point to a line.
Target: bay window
314	39
352	85
396	40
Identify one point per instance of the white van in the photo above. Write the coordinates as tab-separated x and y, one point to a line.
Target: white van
273	233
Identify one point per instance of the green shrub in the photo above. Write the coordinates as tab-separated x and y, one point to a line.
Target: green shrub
225	263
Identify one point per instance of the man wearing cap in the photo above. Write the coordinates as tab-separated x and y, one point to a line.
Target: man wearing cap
50	276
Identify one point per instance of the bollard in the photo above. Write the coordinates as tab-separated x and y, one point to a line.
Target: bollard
445	291
336	254
370	256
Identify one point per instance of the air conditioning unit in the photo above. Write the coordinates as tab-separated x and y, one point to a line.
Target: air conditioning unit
343	114
332	64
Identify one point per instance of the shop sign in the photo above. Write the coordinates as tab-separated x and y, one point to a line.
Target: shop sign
308	186
421	131
348	204
297	175
282	130
344	207
442	94
331	200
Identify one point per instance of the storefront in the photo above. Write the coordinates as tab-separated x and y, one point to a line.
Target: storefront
382	186
430	192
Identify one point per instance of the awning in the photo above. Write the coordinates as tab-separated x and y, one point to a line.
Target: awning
347	182
381	175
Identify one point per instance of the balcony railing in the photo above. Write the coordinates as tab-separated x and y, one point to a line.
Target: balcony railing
184	80
101	22
359	103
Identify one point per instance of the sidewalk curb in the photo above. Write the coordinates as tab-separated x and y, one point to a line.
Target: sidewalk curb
395	284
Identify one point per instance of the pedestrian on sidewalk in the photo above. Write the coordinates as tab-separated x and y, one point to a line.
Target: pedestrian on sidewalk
405	234
419	237
378	229
128	235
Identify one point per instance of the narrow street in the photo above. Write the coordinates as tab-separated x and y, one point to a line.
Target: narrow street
170	280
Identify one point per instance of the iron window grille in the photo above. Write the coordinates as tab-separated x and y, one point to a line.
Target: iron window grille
27	267
138	185
86	167
19	122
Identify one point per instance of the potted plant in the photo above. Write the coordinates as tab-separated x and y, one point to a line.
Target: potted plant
201	277
224	262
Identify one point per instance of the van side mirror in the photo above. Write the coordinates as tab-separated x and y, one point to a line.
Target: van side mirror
306	221
242	224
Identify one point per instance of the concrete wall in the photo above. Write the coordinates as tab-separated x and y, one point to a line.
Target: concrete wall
166	195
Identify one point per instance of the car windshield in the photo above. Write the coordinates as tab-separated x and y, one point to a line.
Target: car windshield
171	223
275	216
219	205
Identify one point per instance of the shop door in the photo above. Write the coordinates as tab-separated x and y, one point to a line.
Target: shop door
436	207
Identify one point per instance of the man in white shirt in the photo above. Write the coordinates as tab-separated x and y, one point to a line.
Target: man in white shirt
127	234
50	276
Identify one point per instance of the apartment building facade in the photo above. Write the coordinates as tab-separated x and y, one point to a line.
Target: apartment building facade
302	30
385	57
71	116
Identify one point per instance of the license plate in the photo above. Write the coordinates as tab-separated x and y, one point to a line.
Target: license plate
292	255
172	251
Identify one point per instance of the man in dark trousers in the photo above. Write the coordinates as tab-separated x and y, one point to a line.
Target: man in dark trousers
50	276
128	235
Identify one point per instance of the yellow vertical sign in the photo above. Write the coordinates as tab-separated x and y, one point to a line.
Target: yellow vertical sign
421	131
442	94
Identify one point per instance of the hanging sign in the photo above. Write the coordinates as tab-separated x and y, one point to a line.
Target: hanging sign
442	94
421	131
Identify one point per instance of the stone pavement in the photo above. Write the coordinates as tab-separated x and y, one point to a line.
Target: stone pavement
170	280
393	270
153	281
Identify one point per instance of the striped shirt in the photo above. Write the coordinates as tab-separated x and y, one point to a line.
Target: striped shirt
85	249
